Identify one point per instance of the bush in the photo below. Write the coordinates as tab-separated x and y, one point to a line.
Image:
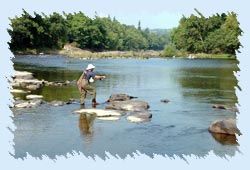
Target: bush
170	50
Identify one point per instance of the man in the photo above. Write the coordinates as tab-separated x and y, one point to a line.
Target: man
84	85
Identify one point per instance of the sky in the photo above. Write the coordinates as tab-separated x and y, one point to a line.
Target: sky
163	20
152	14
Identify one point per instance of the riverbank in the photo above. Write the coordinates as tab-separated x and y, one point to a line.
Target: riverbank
75	52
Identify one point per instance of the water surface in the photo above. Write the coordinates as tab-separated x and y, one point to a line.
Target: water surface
178	127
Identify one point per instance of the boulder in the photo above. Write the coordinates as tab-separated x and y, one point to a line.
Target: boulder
119	97
101	112
128	105
56	103
139	117
32	96
227	126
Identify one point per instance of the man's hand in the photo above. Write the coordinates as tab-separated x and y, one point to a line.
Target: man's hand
102	77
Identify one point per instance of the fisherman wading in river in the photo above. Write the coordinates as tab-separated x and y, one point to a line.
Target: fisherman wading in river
84	84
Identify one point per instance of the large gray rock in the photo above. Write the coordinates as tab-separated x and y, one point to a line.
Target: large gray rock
119	97
128	105
227	126
139	117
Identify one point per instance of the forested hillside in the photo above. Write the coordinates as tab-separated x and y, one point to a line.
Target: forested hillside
216	34
97	34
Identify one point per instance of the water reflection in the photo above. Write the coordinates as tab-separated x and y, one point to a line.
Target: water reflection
215	85
225	139
85	125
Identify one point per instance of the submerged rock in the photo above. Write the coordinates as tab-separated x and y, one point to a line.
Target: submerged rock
219	106
119	97
56	103
139	117
128	105
233	109
101	112
73	101
28	104
227	126
165	100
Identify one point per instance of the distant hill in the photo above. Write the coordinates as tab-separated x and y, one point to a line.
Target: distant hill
160	31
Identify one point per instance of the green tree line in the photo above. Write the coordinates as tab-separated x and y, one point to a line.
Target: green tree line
217	34
40	31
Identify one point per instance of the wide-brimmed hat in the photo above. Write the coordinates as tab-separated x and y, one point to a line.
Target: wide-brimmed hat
90	66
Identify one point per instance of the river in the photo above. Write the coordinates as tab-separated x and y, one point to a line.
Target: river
176	128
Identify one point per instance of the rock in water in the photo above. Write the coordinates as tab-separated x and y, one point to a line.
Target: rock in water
165	100
219	106
23	75
23	105
56	103
139	117
34	96
17	91
101	112
227	126
28	104
128	105
119	97
111	118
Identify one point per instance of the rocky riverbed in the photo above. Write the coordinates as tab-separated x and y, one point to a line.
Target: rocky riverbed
117	105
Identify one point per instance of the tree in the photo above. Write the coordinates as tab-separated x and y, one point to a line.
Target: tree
225	39
56	30
216	34
78	29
